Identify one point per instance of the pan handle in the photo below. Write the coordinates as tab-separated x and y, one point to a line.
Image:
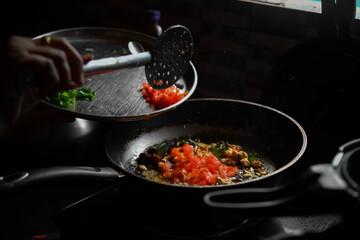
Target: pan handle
22	179
318	190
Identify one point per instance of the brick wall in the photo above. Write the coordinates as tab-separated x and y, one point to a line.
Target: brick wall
236	43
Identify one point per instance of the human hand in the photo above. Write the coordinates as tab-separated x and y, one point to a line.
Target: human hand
53	60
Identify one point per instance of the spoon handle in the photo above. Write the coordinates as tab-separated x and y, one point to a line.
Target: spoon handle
103	65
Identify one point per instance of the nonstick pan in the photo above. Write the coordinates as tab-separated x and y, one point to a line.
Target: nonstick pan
278	138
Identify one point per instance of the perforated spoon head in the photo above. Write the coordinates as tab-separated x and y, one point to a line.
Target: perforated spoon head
170	57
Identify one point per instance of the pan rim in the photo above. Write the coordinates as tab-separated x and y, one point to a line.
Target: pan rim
277	171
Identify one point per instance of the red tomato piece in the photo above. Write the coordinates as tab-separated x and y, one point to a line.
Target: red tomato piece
159	99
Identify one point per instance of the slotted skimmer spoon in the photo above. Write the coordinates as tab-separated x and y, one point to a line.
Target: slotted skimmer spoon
164	64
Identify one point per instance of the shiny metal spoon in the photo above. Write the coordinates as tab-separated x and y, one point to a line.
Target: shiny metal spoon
164	64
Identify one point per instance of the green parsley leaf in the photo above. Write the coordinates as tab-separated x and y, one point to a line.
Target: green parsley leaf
253	156
219	149
67	99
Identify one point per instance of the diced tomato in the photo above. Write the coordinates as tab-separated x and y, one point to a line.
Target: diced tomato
177	154
159	99
167	174
188	152
195	170
202	183
176	180
166	166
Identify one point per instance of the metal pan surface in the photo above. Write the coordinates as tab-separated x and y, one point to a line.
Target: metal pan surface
278	138
118	93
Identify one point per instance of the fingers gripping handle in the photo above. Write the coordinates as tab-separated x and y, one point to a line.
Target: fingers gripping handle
28	78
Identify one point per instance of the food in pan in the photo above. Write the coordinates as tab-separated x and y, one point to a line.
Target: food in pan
192	162
67	99
159	99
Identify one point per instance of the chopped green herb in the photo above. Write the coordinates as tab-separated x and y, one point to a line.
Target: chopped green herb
253	156
219	149
162	148
85	94
67	99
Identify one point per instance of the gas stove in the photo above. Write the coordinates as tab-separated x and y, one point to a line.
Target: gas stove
103	210
109	214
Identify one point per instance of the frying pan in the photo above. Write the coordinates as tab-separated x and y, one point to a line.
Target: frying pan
278	138
118	93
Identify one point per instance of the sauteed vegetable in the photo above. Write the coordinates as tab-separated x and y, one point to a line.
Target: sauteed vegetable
192	162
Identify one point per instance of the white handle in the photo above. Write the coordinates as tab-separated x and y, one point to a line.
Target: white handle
98	66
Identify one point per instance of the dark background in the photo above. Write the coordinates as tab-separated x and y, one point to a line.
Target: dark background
236	42
246	51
